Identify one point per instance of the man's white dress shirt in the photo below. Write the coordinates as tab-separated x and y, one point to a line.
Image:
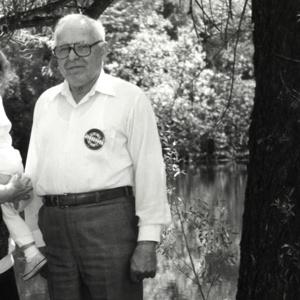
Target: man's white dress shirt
59	160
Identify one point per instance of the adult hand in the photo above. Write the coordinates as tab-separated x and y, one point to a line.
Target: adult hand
143	261
18	188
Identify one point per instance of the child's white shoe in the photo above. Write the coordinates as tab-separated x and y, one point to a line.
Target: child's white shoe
34	265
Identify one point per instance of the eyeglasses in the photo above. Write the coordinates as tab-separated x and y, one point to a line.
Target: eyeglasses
80	49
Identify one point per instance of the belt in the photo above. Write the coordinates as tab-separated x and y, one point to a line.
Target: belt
66	200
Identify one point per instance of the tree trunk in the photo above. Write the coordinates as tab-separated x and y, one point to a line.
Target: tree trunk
270	245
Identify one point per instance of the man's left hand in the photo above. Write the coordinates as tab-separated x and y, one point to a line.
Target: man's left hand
143	261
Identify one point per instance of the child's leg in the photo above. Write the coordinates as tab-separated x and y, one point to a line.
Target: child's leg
19	231
21	234
17	227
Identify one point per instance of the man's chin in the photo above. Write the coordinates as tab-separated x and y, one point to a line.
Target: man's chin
75	80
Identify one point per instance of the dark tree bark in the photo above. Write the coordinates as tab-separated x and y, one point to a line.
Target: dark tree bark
270	245
48	13
169	12
97	8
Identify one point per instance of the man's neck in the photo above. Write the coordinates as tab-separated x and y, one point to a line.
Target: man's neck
78	92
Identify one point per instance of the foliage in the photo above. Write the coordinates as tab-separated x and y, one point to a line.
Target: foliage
199	241
29	56
200	246
188	94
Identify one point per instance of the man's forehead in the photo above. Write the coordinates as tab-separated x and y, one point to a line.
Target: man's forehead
73	34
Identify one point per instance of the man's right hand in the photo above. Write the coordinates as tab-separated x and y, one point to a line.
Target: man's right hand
18	188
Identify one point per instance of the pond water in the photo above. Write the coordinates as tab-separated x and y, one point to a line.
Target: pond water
221	189
211	199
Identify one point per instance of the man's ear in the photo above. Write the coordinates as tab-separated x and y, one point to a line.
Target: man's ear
104	48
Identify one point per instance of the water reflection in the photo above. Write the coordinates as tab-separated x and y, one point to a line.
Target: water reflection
220	190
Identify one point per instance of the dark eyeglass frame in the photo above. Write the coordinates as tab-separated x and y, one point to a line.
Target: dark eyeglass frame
73	47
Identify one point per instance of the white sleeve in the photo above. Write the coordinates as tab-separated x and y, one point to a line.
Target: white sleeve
150	179
32	209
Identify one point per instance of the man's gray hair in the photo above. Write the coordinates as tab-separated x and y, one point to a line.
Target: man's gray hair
96	25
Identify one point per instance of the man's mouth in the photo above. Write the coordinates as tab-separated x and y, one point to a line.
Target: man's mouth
74	68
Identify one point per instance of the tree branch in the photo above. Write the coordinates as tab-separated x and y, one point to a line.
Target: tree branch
233	66
97	8
47	14
37	16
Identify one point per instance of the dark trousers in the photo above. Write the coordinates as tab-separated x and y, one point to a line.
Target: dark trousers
89	249
8	287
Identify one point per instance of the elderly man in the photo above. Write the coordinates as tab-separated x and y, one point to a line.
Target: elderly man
95	159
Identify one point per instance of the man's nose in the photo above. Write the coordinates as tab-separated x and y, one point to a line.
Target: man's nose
72	54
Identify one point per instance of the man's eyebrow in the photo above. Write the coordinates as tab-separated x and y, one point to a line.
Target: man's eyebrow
79	42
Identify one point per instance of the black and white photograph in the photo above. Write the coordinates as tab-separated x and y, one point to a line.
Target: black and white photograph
149	150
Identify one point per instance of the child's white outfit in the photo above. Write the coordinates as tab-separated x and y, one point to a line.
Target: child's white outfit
10	164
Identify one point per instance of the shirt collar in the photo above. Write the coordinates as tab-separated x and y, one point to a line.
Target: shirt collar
104	84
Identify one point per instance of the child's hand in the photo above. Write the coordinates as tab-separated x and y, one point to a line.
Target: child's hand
18	188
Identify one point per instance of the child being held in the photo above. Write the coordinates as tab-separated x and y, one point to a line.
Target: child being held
11	164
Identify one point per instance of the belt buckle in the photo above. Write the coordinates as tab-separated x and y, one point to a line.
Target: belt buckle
55	200
63	205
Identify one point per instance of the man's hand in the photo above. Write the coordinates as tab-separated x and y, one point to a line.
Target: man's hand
18	188
143	261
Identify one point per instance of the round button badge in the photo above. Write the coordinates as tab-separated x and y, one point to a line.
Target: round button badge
94	139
